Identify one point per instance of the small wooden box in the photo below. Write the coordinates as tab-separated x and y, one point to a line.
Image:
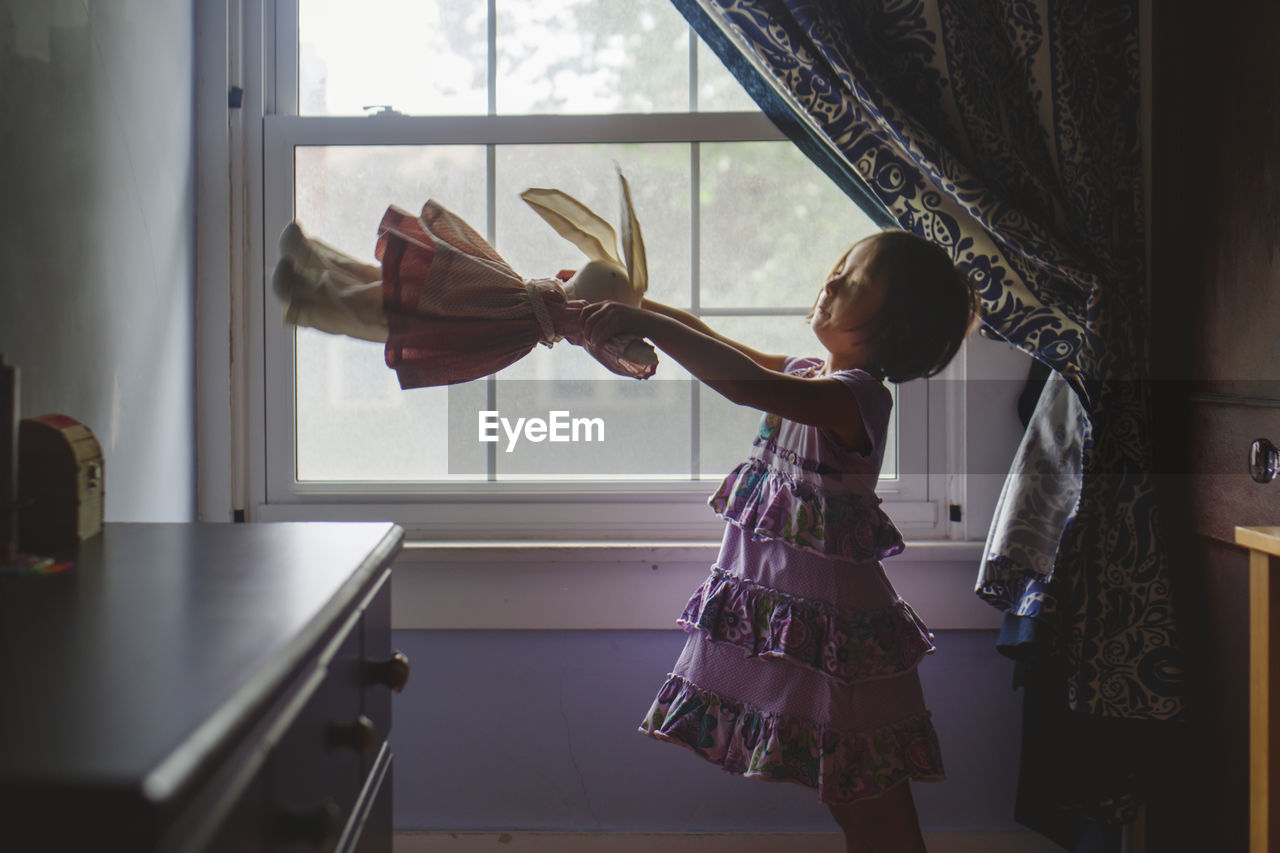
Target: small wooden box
60	484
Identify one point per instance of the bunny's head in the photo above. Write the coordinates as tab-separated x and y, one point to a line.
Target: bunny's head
596	281
606	275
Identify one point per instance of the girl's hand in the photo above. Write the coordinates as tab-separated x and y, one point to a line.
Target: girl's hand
604	320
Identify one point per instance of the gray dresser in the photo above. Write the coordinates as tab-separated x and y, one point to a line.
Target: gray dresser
202	687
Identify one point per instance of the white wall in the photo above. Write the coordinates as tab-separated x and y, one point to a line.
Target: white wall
97	234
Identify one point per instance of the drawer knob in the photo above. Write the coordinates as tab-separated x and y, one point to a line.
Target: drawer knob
359	735
392	672
1264	461
316	826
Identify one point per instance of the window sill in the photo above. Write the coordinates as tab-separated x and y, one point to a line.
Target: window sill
595	585
606	551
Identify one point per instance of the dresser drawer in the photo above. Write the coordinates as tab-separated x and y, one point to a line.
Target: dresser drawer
375	831
326	783
384	671
245	827
317	769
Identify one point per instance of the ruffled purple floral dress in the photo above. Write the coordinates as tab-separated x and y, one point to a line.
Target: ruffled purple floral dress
800	663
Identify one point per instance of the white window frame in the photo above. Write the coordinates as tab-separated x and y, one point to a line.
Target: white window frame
260	483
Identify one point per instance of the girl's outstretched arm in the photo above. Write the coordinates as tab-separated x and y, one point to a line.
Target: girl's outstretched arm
766	360
820	401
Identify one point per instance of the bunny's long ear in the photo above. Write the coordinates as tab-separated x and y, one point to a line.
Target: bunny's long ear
633	242
576	222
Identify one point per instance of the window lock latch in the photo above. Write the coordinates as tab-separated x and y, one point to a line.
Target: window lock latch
381	110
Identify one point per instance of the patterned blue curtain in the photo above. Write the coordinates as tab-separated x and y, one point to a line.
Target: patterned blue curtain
1008	132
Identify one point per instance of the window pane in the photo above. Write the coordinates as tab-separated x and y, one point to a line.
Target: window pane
341	191
718	90
591	56
772	225
423	57
725	429
659	178
631	429
354	422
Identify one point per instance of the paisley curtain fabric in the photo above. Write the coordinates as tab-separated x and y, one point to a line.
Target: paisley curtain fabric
1008	133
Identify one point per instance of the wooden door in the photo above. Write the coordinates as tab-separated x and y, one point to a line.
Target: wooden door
1215	230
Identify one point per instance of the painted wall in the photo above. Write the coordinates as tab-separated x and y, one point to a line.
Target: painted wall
97	234
536	730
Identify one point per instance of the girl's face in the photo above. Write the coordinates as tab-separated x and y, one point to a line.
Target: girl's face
845	313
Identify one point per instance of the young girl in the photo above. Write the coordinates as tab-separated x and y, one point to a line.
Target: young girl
800	663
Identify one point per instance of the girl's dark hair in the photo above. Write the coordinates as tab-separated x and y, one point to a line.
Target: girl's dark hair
928	309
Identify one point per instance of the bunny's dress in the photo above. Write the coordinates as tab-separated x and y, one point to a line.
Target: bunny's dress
800	660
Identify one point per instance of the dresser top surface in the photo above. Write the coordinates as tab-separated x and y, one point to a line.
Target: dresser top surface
161	631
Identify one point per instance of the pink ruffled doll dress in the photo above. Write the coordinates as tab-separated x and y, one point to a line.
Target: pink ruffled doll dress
456	311
800	661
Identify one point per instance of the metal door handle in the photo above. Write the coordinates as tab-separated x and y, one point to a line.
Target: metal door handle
1264	461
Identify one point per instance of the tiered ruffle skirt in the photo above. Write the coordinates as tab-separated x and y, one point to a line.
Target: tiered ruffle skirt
800	668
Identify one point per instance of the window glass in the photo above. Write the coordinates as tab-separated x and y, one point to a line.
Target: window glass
659	176
591	56
718	90
551	57
354	422
341	191
771	223
626	429
423	58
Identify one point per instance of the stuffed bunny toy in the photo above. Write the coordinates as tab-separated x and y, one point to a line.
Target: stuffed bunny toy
604	275
449	308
